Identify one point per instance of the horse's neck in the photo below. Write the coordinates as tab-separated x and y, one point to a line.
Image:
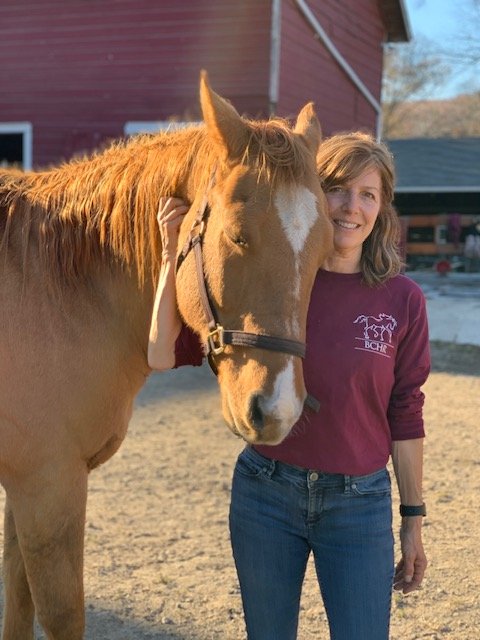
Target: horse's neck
185	164
113	198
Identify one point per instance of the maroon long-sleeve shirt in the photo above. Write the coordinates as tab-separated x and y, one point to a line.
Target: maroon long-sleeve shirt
188	349
367	358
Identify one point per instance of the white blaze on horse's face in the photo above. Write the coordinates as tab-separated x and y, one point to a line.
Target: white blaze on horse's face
297	208
284	404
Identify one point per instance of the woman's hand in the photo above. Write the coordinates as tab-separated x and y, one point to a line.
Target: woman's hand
407	456
171	212
410	570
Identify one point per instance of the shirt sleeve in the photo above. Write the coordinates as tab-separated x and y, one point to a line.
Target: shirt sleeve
188	349
405	411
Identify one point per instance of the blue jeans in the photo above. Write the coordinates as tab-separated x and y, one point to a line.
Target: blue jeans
279	514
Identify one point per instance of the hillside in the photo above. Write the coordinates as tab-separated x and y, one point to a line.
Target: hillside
458	117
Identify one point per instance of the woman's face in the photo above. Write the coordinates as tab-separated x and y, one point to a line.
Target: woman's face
353	208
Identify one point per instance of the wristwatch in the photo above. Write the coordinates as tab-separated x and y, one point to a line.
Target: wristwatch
406	510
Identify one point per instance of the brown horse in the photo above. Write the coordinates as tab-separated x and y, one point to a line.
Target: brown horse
79	255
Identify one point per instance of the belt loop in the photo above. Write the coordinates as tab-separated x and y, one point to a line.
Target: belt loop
269	471
347	480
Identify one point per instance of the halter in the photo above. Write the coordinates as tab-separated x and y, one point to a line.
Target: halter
219	337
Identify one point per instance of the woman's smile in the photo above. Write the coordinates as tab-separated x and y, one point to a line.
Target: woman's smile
346	225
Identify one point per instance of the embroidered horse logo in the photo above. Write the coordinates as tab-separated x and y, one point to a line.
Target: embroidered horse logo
375	328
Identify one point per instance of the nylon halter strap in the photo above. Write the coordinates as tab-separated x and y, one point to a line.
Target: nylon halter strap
218	337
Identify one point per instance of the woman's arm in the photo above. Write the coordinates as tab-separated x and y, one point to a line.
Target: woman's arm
166	323
407	457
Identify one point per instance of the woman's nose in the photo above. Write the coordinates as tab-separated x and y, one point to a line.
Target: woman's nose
350	202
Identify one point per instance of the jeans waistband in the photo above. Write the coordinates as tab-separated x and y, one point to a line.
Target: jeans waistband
300	473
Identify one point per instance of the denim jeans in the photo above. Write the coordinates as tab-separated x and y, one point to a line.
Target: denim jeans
279	514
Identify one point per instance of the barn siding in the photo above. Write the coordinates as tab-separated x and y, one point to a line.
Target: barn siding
78	69
309	72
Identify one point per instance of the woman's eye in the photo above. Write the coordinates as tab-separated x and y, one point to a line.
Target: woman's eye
335	189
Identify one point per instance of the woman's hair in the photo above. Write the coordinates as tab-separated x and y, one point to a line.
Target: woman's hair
343	157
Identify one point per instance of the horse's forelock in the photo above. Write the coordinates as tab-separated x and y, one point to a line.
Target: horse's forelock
277	151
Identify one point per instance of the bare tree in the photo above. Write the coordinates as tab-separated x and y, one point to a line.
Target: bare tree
410	72
464	50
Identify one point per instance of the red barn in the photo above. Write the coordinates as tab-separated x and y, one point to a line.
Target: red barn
75	73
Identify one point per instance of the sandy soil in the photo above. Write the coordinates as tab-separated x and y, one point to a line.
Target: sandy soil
158	562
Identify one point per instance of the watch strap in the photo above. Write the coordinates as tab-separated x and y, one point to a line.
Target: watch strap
410	511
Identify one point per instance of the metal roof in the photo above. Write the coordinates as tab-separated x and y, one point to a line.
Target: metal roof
426	165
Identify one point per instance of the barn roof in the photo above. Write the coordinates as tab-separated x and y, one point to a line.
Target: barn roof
437	164
396	20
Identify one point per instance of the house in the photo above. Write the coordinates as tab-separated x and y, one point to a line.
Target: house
437	196
76	74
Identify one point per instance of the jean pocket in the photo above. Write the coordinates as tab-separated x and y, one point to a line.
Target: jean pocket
375	484
252	464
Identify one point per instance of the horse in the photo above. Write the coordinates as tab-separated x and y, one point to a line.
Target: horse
80	252
376	327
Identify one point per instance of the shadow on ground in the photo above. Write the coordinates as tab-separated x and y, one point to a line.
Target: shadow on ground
107	625
181	382
461	359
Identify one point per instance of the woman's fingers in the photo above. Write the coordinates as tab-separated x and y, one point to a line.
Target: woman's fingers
171	212
169	208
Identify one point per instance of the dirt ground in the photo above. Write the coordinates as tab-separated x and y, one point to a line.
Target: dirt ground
158	563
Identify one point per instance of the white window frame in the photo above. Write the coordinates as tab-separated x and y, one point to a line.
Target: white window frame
441	231
25	128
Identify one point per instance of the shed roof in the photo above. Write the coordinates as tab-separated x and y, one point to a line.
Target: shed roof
396	20
429	165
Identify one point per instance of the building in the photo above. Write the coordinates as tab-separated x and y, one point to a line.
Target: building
437	196
76	74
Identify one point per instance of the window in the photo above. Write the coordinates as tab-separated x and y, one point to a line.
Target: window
441	234
16	144
420	234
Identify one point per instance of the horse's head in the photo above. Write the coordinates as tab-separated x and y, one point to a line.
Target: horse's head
265	237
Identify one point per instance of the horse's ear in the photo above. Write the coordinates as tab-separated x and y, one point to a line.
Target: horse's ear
309	127
224	124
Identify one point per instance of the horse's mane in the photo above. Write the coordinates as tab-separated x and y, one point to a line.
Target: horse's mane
104	205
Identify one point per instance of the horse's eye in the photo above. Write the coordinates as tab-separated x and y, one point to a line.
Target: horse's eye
236	237
240	242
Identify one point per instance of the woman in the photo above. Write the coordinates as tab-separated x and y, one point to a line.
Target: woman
325	489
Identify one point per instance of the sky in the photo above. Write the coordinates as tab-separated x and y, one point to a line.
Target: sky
443	22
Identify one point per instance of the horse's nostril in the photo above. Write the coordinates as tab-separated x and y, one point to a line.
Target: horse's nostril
255	412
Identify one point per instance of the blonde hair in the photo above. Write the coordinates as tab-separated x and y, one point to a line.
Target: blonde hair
343	157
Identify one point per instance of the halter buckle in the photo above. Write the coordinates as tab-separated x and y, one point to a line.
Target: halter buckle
215	340
199	227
